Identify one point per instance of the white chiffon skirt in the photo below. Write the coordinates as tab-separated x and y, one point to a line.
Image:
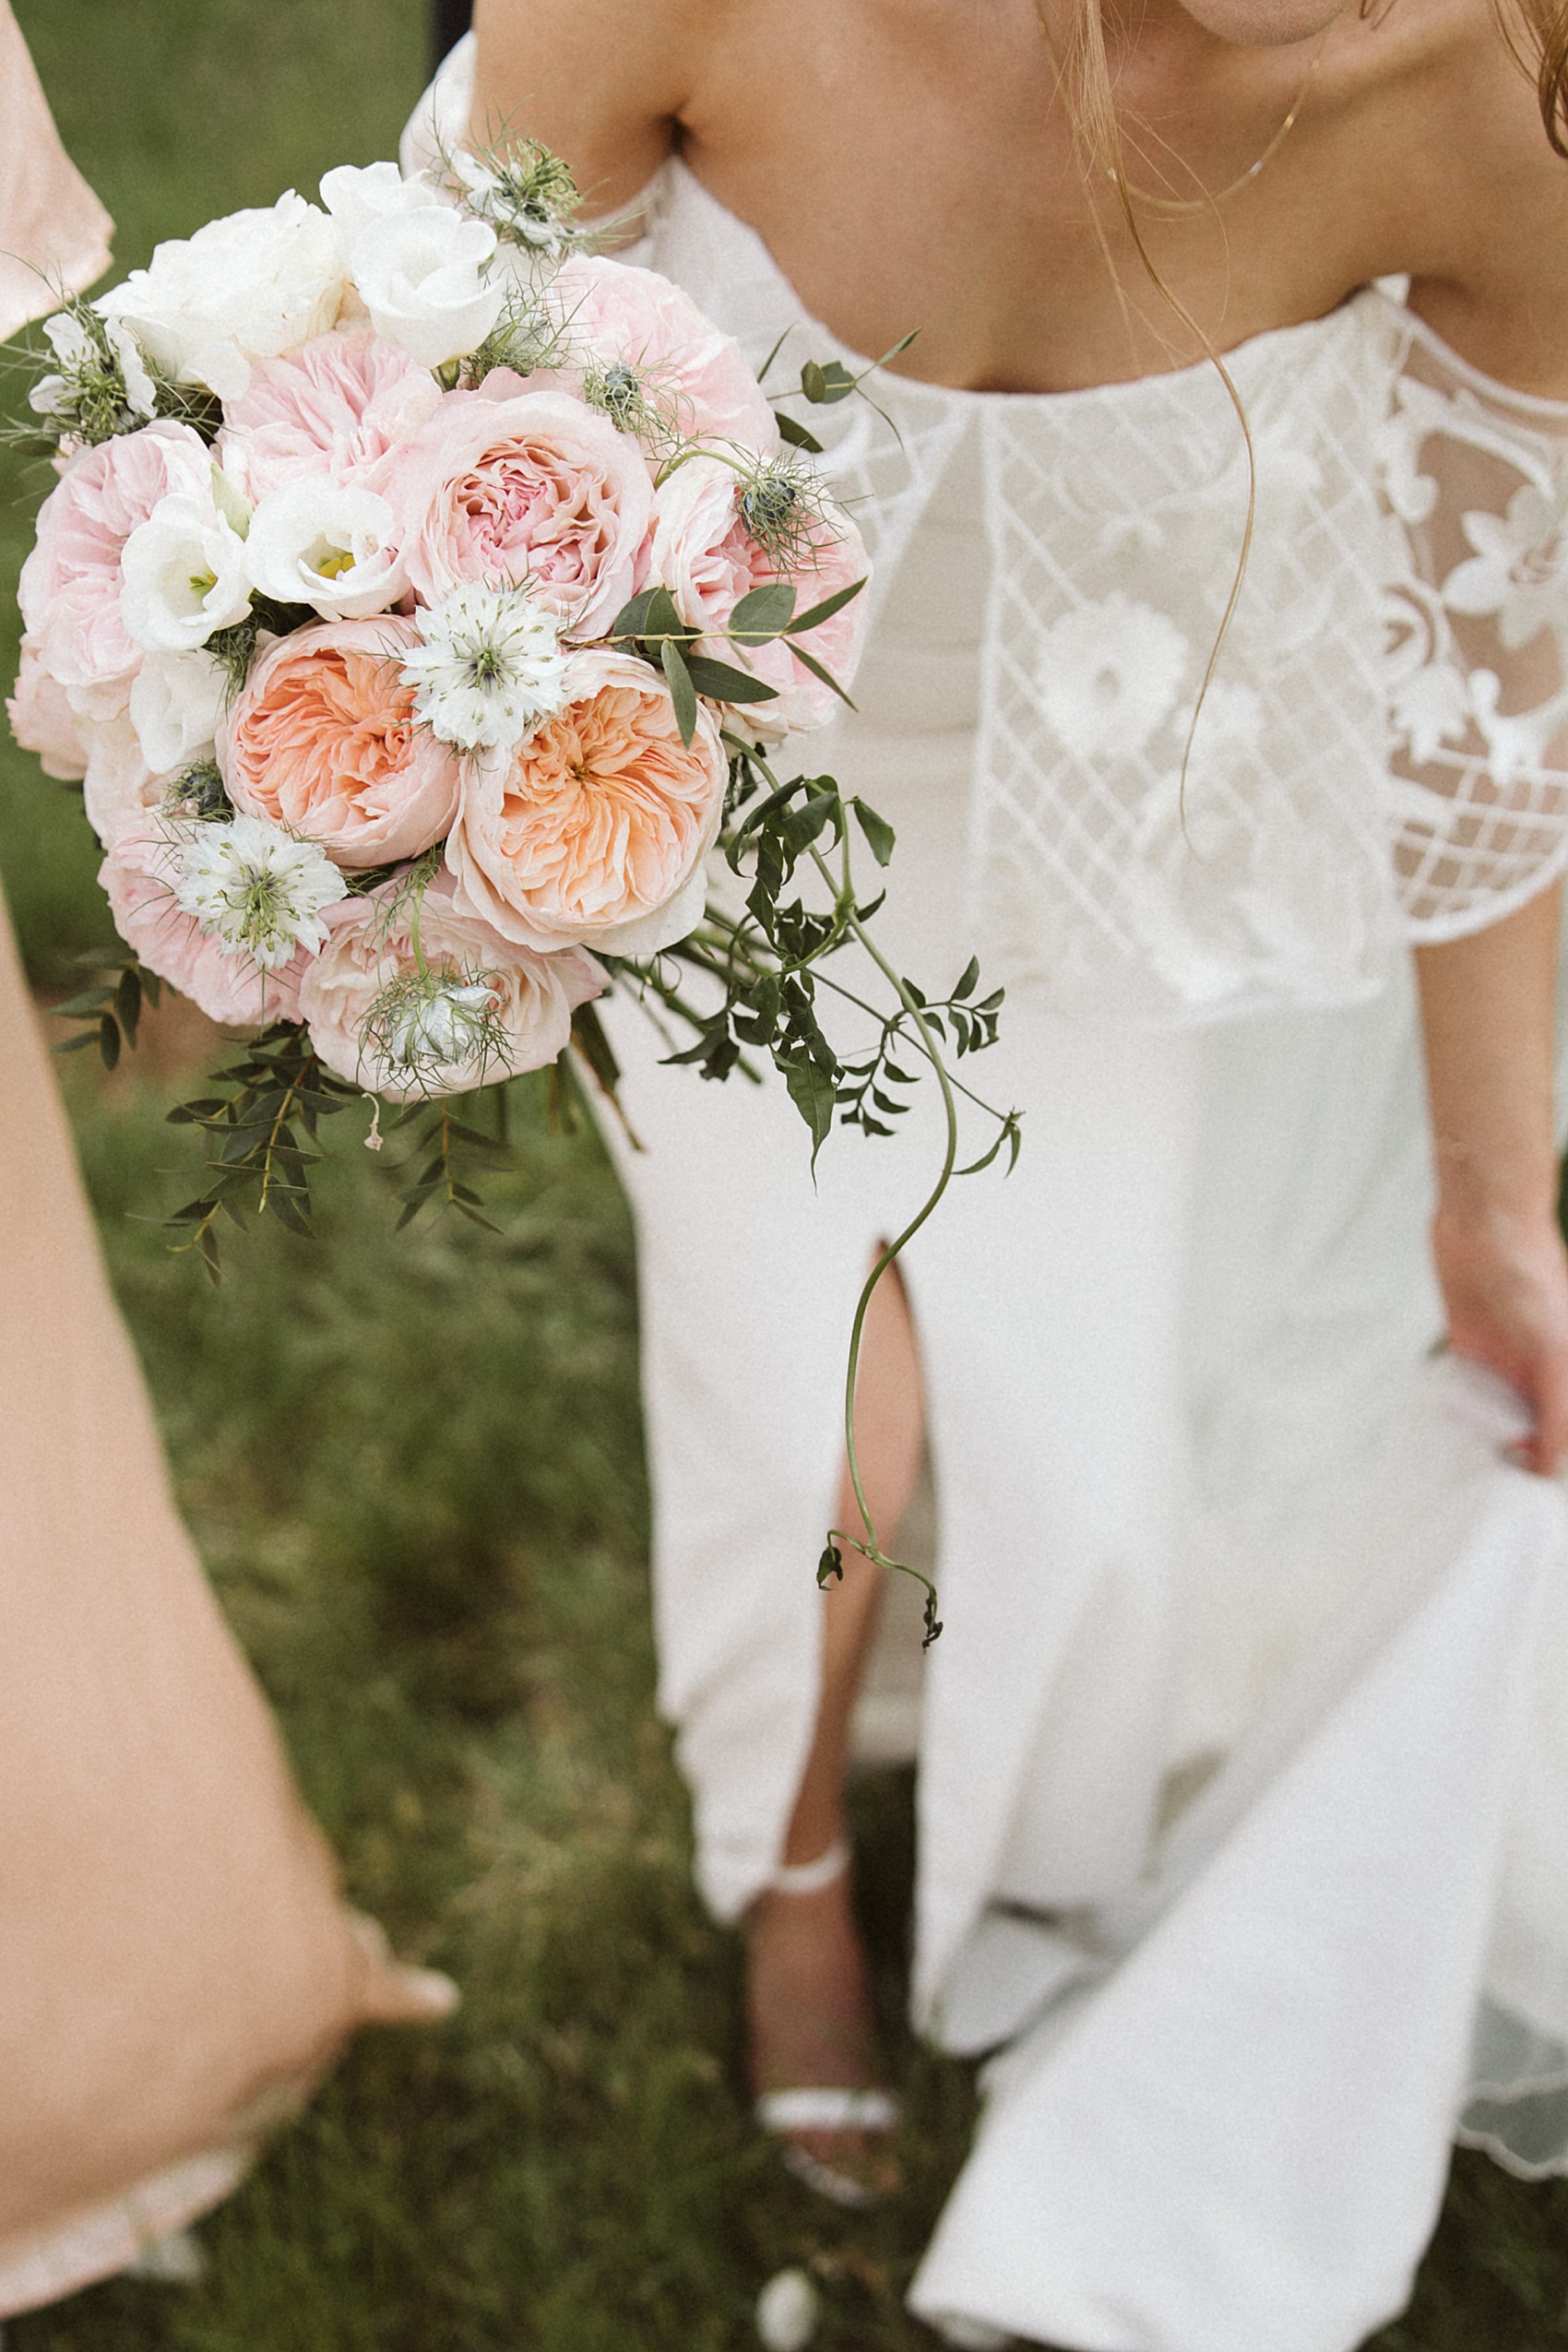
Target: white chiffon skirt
1243	1756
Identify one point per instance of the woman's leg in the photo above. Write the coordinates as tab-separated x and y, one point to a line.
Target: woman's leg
808	2001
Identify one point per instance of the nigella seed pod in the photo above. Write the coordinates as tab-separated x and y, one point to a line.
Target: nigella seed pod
620	392
444	1025
767	506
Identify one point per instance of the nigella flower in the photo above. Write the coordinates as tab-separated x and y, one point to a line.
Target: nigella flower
490	670
258	890
525	193
436	1023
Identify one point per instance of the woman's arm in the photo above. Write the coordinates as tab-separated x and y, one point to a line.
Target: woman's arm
1488	1018
601	82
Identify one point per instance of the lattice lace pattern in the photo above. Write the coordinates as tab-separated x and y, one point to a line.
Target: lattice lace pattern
1259	874
1377	756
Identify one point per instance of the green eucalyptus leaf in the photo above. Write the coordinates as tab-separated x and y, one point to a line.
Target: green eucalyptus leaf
127	1003
763	612
631	622
722	683
681	692
796	433
814	666
825	610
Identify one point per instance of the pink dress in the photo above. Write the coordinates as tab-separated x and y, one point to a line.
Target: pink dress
176	1968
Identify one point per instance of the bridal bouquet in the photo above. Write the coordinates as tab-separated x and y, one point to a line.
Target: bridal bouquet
419	604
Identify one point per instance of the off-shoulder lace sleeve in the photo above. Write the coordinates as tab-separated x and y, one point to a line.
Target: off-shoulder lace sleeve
1476	481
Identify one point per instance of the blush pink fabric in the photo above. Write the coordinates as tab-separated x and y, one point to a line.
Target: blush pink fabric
176	1970
176	1967
53	231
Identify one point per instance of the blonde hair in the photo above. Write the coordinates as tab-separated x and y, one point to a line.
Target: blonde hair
1547	24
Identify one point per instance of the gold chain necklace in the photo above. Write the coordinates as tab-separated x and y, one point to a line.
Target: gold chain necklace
1207	203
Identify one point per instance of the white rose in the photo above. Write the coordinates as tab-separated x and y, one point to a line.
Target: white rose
324	544
183	574
356	198
421	275
244	288
177	703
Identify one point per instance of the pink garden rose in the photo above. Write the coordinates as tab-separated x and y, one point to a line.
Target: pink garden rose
324	740
532	486
595	828
702	380
69	590
119	789
43	721
532	997
340	405
140	877
703	555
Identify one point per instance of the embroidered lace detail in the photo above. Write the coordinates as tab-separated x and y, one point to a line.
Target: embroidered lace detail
1476	480
1116	517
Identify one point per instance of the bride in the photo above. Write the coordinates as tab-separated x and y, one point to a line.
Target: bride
1243	1760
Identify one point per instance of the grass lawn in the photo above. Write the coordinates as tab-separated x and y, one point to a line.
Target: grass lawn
414	1470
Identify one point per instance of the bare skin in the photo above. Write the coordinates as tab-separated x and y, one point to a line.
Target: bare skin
911	163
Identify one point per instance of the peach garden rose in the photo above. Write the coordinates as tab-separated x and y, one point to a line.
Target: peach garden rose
595	829
325	741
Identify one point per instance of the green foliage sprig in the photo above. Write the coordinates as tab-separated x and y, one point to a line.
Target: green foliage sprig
110	1011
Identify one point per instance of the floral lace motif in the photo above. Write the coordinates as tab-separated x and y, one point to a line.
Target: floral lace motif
1476	481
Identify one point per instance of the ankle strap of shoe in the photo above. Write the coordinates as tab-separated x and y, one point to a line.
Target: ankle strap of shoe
810	1878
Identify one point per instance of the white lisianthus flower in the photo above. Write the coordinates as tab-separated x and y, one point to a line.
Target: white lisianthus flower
491	668
256	889
69	341
324	544
141	393
421	277
355	198
244	288
176	702
183	574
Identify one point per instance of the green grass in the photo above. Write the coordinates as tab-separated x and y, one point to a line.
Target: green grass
414	1469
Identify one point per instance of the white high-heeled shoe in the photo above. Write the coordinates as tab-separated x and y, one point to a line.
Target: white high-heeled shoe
826	2107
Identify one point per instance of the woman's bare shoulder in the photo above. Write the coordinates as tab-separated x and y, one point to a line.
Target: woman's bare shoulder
1493	195
601	81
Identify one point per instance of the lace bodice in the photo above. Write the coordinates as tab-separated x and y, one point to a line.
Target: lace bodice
1380	756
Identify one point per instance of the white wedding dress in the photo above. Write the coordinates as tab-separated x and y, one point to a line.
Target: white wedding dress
1243	1758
